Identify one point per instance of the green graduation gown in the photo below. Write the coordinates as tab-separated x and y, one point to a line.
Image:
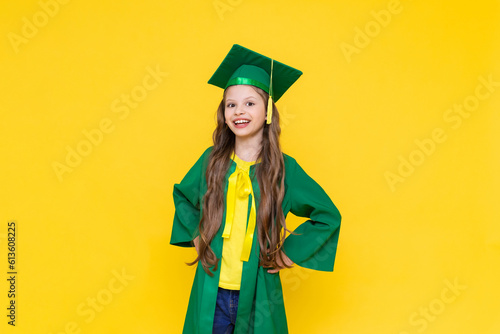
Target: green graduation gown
260	307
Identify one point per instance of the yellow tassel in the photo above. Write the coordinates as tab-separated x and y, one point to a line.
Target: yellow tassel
269	110
270	101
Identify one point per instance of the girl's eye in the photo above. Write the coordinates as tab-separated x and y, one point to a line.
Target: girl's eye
232	105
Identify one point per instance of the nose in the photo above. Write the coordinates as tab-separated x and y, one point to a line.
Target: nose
239	110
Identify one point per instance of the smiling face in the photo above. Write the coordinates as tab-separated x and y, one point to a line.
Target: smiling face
245	111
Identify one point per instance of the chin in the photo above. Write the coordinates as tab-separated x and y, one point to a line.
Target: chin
240	133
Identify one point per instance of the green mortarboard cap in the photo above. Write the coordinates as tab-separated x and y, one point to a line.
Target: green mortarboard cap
246	67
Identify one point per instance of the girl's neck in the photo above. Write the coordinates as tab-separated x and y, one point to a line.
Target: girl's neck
247	150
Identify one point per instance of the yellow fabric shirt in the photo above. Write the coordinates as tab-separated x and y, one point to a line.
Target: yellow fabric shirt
231	264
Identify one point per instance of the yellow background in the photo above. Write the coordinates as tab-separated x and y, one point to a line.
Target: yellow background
349	120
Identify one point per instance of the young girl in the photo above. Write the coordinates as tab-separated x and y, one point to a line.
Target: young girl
233	202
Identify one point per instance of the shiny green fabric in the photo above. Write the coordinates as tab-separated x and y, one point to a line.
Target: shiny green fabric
246	81
260	308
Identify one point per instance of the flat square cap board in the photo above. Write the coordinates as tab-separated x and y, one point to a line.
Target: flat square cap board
242	66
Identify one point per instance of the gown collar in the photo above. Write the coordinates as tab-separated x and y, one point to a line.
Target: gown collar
242	163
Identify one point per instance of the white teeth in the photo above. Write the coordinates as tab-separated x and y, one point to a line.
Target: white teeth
241	121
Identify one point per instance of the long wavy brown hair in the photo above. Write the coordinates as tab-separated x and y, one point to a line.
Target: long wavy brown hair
270	172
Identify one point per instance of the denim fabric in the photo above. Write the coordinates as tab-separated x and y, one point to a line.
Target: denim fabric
225	311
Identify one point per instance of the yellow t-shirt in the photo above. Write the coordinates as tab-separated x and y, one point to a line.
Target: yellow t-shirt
231	264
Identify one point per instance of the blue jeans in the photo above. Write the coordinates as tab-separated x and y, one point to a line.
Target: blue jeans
225	311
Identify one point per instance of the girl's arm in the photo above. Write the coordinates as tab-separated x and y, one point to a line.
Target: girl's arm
187	198
314	243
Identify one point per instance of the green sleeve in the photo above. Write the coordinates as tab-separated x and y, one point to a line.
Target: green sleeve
314	243
187	200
